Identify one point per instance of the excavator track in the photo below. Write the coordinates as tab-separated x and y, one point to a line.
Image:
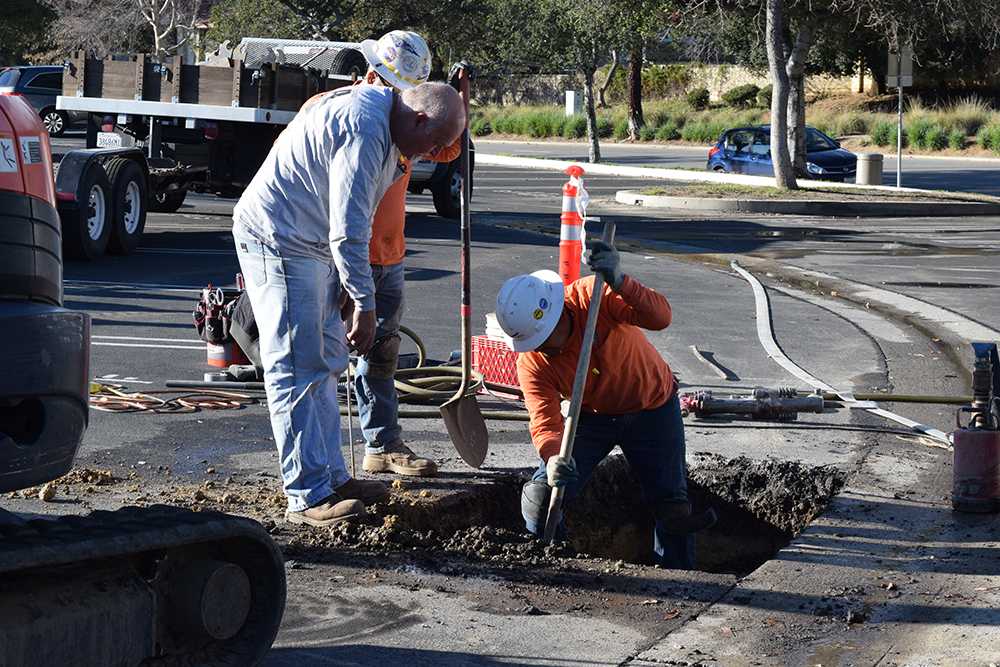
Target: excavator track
160	586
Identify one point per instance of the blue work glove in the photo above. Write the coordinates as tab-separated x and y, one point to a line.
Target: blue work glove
604	259
561	471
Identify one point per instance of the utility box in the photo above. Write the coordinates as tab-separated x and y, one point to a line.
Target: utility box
869	169
574	102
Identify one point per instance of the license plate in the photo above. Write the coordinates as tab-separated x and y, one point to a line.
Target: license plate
109	140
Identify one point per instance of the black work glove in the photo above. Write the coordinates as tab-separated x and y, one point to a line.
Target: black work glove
604	259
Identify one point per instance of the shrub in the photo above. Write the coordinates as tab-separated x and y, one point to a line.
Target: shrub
621	129
936	138
883	133
647	133
575	127
665	80
668	131
917	129
989	137
849	123
480	127
969	114
764	97
956	140
698	99
893	136
741	96
604	128
703	131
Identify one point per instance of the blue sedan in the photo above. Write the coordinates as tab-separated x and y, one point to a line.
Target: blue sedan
747	150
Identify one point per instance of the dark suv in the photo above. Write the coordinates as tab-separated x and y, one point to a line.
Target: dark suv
40	85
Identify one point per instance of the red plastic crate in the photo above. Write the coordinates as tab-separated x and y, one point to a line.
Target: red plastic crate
495	361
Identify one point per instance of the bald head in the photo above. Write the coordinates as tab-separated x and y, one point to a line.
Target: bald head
428	116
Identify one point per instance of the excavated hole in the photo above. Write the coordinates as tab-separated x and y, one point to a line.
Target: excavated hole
761	505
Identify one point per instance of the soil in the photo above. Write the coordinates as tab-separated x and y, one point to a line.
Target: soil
761	505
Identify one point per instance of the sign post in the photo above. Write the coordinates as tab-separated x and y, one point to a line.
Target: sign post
900	75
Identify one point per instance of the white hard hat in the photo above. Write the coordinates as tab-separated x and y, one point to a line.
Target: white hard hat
400	57
528	308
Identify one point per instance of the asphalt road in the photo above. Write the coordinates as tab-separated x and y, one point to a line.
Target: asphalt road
957	174
366	612
932	173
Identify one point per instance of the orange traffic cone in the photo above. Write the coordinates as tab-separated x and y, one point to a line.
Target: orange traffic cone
571	232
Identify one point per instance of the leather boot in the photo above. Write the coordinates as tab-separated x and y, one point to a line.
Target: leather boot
332	509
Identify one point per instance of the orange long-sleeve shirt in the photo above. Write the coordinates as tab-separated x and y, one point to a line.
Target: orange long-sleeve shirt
627	374
388	242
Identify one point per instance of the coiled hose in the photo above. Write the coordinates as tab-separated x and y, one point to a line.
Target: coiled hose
419	386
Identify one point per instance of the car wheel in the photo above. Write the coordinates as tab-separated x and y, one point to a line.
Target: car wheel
167	202
129	201
55	122
447	192
87	228
719	169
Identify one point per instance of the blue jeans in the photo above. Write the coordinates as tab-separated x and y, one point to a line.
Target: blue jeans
378	404
303	350
653	444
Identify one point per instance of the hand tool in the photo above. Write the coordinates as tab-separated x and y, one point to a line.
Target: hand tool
554	517
461	413
350	420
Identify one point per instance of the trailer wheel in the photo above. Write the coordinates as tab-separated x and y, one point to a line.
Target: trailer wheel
129	202
167	202
349	62
86	228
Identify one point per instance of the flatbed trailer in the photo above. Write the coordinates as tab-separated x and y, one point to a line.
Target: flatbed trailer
182	128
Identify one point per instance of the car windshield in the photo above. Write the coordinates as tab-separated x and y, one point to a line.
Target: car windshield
816	142
9	77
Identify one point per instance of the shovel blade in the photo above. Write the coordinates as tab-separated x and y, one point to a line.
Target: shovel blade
467	428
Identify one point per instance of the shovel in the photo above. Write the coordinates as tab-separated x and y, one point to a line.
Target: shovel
554	517
461	414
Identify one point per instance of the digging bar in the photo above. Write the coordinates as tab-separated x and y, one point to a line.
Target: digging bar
554	517
461	413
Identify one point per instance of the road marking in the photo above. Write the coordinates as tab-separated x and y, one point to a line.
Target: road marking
185	251
154	340
147	345
83	284
114	377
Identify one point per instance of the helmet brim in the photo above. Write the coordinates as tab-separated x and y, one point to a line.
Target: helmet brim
368	51
531	343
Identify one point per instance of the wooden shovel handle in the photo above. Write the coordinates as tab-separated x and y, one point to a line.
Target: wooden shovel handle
554	517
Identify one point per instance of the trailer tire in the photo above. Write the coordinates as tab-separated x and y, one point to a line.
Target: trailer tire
349	62
129	200
167	202
87	227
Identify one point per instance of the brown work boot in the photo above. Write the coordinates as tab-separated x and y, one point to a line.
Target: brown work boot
332	509
399	459
367	491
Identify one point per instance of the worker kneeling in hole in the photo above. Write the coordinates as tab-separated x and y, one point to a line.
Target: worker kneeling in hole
630	399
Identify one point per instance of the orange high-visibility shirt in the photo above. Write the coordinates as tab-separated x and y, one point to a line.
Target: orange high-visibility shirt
627	374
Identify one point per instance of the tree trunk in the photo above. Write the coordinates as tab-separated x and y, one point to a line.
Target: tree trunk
784	177
635	119
588	100
796	69
879	68
615	60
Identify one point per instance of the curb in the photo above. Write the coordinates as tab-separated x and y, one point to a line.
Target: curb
692	176
825	208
